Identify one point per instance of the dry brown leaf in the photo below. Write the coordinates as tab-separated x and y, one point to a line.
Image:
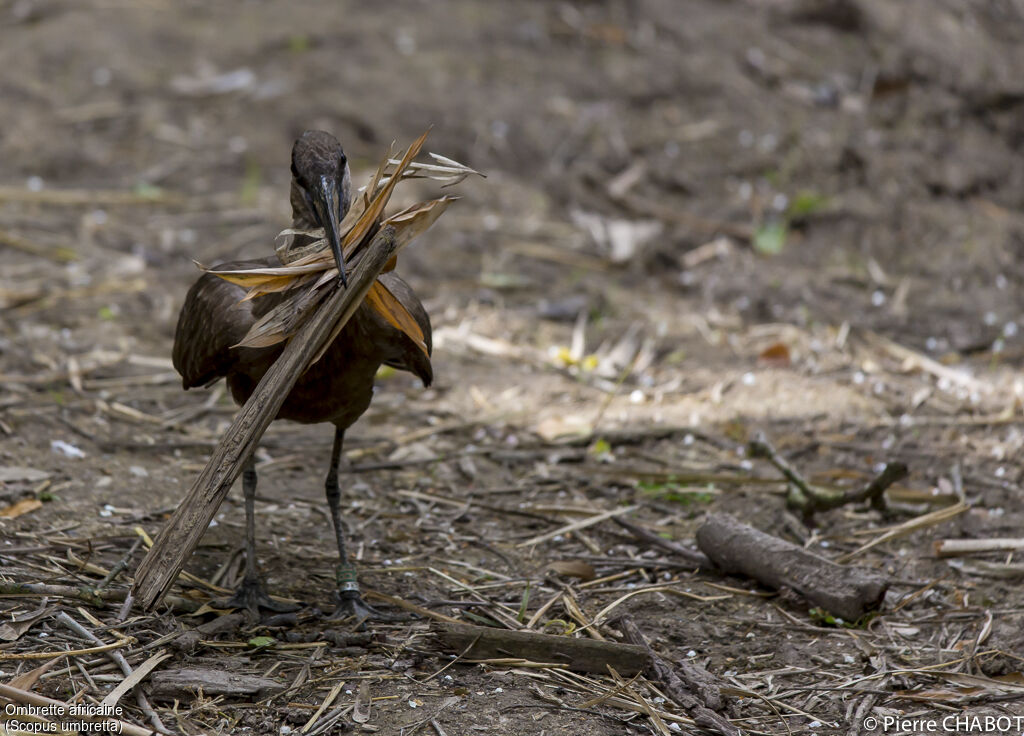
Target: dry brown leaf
23	506
376	207
27	680
414	221
18	473
386	305
12	630
283	321
777	353
361	708
281	283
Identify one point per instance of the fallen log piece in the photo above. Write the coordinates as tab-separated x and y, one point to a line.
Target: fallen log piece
182	533
187	682
693	688
579	655
847	592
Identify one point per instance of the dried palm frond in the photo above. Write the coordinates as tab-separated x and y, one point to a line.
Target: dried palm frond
307	264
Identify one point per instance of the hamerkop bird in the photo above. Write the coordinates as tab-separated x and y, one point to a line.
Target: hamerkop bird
337	388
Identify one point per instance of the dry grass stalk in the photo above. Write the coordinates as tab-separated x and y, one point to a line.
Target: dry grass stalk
908	527
582	524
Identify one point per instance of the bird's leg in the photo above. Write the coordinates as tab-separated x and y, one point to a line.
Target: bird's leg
250	593
350	602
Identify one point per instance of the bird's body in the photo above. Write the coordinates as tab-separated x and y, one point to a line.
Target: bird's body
337	388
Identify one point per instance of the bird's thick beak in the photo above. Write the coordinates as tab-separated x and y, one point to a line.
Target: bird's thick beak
328	209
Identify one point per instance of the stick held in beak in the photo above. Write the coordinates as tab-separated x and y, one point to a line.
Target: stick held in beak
328	209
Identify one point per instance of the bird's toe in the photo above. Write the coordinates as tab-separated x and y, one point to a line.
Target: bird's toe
251	597
351	606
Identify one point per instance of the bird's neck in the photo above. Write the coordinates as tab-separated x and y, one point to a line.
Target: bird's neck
302	218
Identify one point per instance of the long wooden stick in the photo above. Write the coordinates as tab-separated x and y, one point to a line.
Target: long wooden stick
183	531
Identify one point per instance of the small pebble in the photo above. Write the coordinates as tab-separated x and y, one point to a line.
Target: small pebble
63	447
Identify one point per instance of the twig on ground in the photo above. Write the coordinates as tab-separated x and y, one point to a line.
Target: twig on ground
699	559
125	668
693	688
808	499
582	655
90	596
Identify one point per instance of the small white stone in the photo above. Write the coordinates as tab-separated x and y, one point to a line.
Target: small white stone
102	76
66	449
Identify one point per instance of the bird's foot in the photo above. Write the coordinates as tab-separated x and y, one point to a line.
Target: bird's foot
251	597
352	606
350	603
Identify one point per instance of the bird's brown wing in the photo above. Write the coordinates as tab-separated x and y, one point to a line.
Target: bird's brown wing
412	358
212	320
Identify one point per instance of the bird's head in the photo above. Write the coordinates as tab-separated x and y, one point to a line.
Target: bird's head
321	187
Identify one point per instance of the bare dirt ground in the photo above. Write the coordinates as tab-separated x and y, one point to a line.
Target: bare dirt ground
795	216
